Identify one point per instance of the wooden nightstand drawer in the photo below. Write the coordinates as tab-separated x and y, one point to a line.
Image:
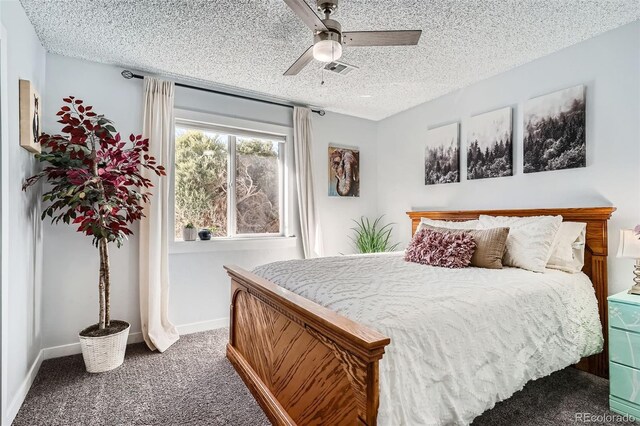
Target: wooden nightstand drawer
624	382
624	347
624	316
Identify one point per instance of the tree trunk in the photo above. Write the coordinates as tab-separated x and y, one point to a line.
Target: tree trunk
101	289
105	285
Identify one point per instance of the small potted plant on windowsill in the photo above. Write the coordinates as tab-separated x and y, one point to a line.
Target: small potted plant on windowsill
96	183
205	234
189	232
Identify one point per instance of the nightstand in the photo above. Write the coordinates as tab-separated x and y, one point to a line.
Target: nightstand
624	354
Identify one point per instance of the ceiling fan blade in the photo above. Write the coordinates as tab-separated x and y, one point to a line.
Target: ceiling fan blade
308	16
301	62
382	38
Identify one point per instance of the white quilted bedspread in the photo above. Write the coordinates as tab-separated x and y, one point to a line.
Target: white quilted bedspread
461	339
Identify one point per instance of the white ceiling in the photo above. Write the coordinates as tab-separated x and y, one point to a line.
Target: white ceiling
248	44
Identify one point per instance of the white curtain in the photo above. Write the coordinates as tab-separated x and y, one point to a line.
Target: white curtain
309	223
157	330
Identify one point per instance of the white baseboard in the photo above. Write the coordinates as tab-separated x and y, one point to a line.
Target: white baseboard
21	394
74	348
196	327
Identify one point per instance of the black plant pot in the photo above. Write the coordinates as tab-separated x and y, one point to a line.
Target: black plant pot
204	234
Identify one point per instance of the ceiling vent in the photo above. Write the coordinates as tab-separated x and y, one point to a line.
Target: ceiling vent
339	67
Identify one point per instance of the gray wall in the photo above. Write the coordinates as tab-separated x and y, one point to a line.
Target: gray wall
609	67
26	60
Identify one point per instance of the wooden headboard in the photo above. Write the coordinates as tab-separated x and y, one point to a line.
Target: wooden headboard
595	256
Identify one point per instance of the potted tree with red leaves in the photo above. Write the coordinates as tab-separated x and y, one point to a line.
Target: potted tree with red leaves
95	184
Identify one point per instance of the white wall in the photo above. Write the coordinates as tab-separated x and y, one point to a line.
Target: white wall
392	155
71	263
199	285
392	174
609	66
25	60
337	213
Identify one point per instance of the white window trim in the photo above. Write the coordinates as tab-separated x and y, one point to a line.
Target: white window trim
220	123
232	244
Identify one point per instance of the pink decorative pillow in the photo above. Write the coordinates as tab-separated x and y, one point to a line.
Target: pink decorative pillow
434	248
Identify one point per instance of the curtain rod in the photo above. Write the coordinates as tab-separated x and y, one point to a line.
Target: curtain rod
129	75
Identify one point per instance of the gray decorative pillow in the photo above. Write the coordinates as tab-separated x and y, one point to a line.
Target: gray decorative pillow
490	244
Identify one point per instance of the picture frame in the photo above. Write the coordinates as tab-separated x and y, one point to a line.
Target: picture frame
344	171
554	131
30	106
442	155
490	144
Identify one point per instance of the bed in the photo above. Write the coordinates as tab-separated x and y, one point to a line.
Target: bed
322	363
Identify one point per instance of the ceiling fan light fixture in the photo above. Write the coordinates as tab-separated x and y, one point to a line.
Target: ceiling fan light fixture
327	50
328	37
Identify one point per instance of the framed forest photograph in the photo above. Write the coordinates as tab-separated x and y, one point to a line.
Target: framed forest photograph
442	155
554	131
490	145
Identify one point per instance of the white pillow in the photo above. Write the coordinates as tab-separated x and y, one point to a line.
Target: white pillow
530	239
467	224
567	250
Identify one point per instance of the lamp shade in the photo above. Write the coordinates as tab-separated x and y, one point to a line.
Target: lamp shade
629	244
327	50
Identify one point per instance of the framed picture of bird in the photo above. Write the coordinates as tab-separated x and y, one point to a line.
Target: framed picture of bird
30	113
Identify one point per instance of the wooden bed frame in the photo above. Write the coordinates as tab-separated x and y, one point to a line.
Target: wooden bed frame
307	365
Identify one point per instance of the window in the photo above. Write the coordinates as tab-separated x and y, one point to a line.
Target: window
228	180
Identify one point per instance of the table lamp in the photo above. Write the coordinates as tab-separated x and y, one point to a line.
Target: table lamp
630	248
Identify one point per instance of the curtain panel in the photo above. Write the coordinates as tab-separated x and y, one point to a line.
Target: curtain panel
158	332
309	223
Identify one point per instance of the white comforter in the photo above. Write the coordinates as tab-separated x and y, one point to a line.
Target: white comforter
461	339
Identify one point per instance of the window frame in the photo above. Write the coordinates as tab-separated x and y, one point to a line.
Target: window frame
232	207
233	128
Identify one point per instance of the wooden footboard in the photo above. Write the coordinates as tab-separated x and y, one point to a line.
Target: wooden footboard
305	364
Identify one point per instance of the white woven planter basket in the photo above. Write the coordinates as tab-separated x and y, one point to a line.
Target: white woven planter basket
104	353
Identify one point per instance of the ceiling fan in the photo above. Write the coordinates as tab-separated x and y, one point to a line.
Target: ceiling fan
328	37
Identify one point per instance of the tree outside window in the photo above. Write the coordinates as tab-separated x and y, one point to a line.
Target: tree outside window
208	164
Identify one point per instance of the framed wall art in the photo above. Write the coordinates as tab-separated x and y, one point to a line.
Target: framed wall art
30	113
442	155
490	145
344	171
554	131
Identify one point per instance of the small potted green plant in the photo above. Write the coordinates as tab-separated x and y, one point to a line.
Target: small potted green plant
372	237
189	232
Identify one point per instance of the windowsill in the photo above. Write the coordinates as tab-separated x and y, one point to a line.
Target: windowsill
232	244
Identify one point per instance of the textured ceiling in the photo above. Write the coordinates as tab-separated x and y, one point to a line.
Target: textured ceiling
248	44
